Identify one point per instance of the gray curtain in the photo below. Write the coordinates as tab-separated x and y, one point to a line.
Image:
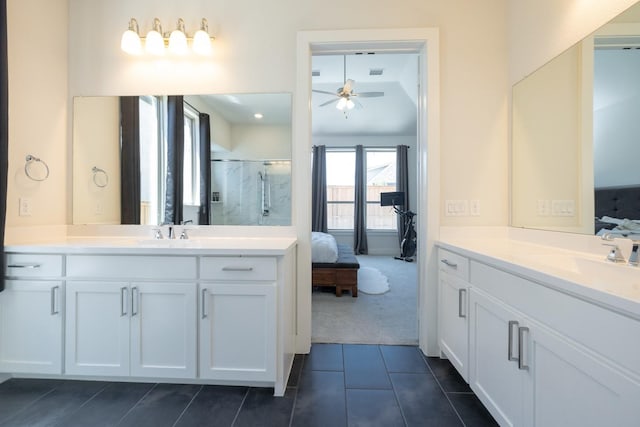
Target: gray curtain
4	132
129	160
319	189
173	207
204	213
402	184
360	211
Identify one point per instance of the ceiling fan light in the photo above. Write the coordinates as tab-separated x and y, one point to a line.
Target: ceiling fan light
341	104
350	104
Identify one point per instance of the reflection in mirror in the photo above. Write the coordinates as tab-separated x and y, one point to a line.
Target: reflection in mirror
574	150
156	150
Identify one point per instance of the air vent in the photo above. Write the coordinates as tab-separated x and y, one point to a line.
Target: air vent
315	73
376	71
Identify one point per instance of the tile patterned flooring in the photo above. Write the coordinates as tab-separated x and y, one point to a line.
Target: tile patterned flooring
335	385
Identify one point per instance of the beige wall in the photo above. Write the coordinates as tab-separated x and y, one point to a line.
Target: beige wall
38	109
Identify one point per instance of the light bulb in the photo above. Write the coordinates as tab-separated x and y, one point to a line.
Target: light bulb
178	40
341	104
350	104
154	42
202	40
130	42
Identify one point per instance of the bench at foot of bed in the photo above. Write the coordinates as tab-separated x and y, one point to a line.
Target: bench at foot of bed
343	274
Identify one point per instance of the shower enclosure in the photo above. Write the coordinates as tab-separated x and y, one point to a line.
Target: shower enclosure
250	192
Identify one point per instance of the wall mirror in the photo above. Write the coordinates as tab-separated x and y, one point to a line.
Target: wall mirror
575	148
208	159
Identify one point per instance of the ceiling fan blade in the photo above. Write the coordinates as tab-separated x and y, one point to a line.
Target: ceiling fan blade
326	103
323	91
369	94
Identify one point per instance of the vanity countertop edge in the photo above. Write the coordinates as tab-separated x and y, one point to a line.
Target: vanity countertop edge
499	254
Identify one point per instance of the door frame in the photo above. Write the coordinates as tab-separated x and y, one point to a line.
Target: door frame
424	42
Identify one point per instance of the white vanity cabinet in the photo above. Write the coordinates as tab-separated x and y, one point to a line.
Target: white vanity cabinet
144	326
539	357
238	318
31	315
453	309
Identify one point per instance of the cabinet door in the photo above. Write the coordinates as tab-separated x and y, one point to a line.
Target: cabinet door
453	322
163	330
238	331
495	379
31	327
97	330
569	386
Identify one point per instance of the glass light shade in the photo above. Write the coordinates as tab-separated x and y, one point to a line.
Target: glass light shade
350	104
131	43
202	43
154	43
178	43
341	104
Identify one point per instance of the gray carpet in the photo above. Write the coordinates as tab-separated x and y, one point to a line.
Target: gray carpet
390	318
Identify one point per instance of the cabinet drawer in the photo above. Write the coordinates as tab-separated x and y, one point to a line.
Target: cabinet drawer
131	267
454	264
238	268
34	265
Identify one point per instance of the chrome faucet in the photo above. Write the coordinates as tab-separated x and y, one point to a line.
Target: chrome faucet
183	234
158	234
633	258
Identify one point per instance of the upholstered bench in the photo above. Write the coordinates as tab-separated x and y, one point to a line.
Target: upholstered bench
342	274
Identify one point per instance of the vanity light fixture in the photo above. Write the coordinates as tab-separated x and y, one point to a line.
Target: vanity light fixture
156	42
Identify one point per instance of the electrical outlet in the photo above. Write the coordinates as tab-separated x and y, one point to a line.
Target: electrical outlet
24	206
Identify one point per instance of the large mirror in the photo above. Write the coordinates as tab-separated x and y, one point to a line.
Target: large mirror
575	127
207	159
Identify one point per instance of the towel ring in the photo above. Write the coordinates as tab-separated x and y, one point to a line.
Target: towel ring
97	171
29	160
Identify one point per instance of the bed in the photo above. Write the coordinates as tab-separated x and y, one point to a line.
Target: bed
617	210
333	265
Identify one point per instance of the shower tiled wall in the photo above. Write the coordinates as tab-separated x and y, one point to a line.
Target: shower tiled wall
238	185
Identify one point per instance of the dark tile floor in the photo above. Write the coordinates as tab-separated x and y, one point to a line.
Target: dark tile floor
335	385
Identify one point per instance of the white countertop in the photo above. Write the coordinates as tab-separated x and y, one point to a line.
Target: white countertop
581	274
140	245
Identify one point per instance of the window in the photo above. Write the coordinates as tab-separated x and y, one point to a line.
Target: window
191	171
152	160
381	177
380	164
341	178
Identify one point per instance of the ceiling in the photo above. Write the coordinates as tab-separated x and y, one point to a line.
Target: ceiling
393	114
239	109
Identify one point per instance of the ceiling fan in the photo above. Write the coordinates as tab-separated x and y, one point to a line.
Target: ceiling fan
346	97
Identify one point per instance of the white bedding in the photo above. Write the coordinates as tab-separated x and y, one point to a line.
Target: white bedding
323	247
623	227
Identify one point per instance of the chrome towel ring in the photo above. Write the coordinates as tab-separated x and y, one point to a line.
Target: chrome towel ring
27	168
100	177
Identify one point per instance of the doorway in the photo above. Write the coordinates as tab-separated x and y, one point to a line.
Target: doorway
425	43
368	99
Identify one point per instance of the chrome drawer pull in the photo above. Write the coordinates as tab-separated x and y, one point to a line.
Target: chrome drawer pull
461	302
135	301
521	364
510	357
124	296
24	265
449	263
237	268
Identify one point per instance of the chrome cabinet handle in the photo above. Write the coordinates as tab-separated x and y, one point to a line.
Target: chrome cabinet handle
521	364
54	300
30	266
203	303
123	301
449	263
237	268
461	292
510	356
135	301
